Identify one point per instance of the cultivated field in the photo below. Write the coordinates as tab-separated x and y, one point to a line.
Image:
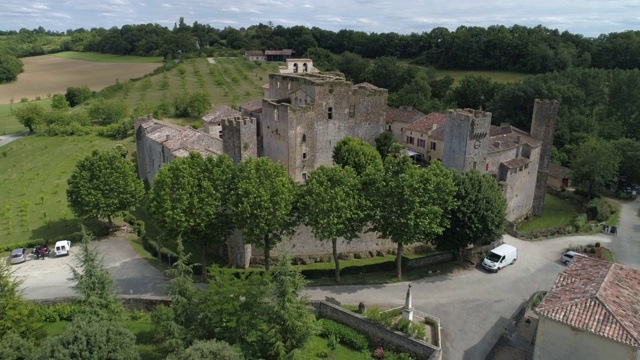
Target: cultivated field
46	75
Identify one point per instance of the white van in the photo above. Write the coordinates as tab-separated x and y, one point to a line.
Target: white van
63	247
500	257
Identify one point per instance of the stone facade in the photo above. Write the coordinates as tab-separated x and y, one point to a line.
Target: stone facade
305	115
417	136
397	119
510	155
543	126
294	66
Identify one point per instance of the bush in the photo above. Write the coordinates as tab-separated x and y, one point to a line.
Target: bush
349	337
598	210
384	318
579	222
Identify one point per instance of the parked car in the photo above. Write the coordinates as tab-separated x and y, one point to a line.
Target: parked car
63	247
18	255
500	257
569	255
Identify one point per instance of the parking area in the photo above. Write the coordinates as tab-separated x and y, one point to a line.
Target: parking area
51	277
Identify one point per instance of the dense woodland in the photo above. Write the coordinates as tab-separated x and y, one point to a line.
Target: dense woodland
596	80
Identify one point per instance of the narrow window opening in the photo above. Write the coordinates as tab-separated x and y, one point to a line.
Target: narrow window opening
304	137
304	156
330	113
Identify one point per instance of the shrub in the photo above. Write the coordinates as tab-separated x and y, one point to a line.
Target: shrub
347	335
598	210
580	221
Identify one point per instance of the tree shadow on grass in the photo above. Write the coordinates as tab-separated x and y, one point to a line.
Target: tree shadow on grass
64	228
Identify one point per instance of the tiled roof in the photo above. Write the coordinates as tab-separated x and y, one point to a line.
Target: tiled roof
253	53
279	52
252	106
403	115
437	134
425	124
558	171
517	162
223	112
181	140
599	297
505	137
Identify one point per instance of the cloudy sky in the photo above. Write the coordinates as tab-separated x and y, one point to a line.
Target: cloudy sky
588	17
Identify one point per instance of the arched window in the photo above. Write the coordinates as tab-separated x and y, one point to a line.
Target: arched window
304	137
304	67
295	67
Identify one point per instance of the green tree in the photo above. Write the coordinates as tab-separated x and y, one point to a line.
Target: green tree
333	205
411	204
208	349
290	322
17	316
10	68
103	185
77	95
30	115
15	347
474	92
199	104
356	154
86	339
263	203
108	112
189	197
629	151
389	73
480	215
415	94
323	59
353	66
385	143
98	299
59	102
594	165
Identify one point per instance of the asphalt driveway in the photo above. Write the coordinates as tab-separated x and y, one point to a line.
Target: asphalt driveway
51	278
474	306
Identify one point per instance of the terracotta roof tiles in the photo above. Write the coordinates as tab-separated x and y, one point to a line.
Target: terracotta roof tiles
403	115
425	124
505	137
599	297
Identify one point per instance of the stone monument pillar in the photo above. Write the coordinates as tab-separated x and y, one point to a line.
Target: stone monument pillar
407	310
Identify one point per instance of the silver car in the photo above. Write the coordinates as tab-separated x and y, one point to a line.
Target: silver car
18	256
569	255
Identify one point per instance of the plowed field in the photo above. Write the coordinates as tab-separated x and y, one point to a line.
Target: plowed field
47	75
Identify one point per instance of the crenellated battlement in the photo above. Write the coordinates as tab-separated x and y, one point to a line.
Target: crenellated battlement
238	121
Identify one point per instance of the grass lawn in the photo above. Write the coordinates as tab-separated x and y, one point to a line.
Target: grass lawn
317	348
614	219
8	123
34	180
98	57
557	212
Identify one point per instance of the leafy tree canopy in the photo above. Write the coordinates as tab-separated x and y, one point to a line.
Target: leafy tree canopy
30	115
594	165
356	154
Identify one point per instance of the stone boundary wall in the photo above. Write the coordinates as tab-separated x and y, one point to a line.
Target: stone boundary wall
377	333
430	260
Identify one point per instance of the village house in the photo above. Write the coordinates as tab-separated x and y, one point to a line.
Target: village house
591	312
294	66
417	136
558	177
397	119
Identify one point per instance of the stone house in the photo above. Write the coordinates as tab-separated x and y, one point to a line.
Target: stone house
254	55
279	55
294	66
305	115
417	136
591	312
397	119
558	177
212	121
512	156
437	144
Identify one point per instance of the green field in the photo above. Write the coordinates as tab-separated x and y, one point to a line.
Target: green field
557	212
34	177
496	76
99	57
8	123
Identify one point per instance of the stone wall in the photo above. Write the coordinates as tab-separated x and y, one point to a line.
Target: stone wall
520	188
466	139
543	126
430	260
377	333
239	136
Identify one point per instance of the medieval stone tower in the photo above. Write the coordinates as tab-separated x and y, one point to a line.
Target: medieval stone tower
466	139
543	125
239	138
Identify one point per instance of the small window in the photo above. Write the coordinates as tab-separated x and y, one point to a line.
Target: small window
474	165
295	68
352	111
304	176
330	90
520	168
526	166
389	127
330	113
278	84
305	68
433	145
486	167
304	137
304	156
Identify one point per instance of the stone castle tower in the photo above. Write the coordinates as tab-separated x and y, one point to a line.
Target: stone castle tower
239	138
543	125
467	139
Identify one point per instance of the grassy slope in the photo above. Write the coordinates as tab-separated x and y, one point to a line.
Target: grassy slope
557	212
98	57
8	123
34	176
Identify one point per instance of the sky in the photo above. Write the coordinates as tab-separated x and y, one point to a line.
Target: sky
587	17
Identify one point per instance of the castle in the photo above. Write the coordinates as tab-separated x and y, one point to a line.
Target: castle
304	114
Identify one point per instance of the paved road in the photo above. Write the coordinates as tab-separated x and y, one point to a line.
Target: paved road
473	305
5	139
51	278
626	245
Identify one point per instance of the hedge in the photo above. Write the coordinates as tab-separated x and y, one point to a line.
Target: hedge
346	335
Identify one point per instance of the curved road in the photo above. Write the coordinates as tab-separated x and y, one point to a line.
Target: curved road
5	139
626	245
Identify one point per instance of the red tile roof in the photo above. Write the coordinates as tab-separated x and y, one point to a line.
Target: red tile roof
403	115
505	137
438	134
253	53
425	124
599	297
